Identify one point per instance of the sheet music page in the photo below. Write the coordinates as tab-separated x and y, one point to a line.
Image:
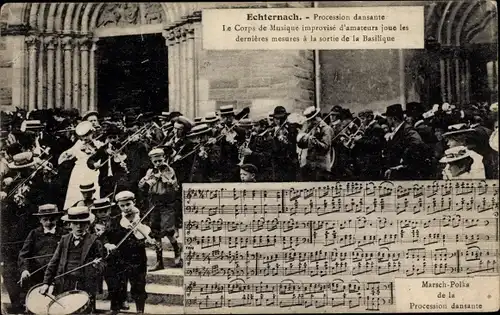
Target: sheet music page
339	247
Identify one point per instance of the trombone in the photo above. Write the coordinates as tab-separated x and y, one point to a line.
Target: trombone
349	132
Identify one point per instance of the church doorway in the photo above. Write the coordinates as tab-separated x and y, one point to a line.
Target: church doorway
132	72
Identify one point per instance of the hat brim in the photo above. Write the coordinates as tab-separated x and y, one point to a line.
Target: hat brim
457	132
200	133
87	190
211	120
90	218
13	166
279	115
446	160
50	214
317	111
102	207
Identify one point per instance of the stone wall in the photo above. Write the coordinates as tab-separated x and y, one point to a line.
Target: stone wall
260	80
5	75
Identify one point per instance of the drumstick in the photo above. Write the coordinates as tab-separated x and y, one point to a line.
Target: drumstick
53	300
34	272
78	268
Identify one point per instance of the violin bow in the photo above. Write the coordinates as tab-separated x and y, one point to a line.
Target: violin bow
219	137
24	181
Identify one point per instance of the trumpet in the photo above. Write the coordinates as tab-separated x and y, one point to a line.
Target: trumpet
245	145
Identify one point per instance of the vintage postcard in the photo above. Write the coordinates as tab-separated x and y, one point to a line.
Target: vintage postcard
249	157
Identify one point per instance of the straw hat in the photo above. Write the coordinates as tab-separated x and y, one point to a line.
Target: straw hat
78	214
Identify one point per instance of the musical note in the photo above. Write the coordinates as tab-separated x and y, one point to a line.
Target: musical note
338	245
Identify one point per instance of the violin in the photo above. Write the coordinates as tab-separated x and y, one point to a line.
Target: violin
141	231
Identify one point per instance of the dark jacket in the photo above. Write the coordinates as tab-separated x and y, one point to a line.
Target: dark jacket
285	158
108	180
37	244
89	276
262	156
206	168
368	153
406	148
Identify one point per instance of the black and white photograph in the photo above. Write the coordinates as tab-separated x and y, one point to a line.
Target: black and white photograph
174	158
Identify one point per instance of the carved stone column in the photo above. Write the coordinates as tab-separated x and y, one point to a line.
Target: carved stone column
32	42
183	61
76	74
68	43
170	42
59	75
41	74
177	63
190	71
50	43
85	45
92	76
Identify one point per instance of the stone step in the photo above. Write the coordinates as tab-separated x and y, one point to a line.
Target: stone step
158	294
148	309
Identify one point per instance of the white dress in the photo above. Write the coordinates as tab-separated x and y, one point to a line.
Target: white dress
80	174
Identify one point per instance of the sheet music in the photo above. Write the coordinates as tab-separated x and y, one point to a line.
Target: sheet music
332	247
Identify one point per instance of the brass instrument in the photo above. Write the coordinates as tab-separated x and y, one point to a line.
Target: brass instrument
245	145
351	141
349	132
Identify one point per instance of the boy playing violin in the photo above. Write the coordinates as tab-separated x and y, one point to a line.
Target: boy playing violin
163	188
127	260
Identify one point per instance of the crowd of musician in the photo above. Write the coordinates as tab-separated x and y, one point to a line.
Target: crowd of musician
130	166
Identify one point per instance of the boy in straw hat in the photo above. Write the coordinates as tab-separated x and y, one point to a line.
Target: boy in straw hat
75	249
163	189
40	245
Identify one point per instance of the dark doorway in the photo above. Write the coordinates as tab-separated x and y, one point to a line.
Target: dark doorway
132	72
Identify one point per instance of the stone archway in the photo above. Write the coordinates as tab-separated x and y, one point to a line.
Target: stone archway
60	41
456	30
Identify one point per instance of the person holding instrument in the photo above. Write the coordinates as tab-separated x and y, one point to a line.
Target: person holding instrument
112	165
163	190
39	246
128	261
65	271
317	140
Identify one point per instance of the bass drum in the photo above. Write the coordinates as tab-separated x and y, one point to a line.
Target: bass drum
37	303
71	302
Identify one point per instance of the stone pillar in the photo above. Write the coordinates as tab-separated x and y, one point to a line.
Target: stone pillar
68	43
32	42
184	69
92	76
85	45
76	74
190	71
41	75
50	42
59	75
179	78
170	42
17	44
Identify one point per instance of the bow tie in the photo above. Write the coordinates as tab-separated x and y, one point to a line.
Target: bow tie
53	231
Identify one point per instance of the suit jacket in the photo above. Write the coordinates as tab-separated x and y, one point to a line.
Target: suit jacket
92	249
406	148
118	172
319	147
32	248
368	152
